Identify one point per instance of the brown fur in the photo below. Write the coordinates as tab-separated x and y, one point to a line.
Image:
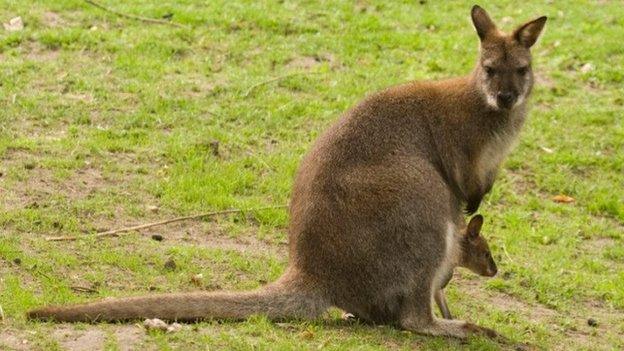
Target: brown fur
372	205
474	254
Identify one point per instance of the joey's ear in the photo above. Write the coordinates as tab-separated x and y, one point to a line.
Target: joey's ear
481	21
474	227
528	33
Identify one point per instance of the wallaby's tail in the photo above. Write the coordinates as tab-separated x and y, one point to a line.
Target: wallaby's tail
282	299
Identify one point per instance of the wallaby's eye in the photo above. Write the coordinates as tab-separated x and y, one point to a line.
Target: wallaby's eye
523	70
489	70
487	255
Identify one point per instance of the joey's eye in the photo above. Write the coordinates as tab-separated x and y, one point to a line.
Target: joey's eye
523	70
489	70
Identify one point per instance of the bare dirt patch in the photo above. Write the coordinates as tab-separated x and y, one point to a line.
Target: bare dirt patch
79	340
129	337
305	62
577	331
75	338
36	185
309	62
30	188
53	19
34	51
505	302
39	184
14	341
543	80
521	181
214	235
597	245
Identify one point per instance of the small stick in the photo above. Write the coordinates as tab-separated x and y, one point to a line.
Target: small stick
275	79
78	288
507	254
138	18
115	232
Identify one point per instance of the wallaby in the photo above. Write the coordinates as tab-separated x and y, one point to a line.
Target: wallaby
474	254
377	200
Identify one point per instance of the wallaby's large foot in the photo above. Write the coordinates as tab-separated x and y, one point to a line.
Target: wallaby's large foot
452	328
479	330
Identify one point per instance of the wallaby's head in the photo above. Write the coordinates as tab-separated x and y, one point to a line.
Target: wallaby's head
476	254
503	73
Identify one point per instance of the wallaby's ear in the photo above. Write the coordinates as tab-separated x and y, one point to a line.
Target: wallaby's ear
474	227
528	33
481	21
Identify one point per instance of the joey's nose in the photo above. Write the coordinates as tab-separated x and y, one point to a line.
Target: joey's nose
493	271
505	99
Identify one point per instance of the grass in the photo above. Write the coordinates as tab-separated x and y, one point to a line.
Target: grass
104	117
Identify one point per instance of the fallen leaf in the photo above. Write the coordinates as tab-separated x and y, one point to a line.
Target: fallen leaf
564	199
547	150
52	19
307	334
586	68
173	328
197	279
155	324
348	316
15	24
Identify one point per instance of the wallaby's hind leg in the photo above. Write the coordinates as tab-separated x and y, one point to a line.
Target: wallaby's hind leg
445	327
418	317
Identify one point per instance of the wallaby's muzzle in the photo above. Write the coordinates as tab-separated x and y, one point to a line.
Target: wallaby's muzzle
505	100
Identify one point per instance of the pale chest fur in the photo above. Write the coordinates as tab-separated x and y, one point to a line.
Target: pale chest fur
451	256
497	148
493	154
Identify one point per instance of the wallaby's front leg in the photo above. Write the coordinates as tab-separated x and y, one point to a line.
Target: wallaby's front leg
475	196
440	300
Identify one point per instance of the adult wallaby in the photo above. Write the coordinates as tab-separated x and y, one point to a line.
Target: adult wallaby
474	254
377	200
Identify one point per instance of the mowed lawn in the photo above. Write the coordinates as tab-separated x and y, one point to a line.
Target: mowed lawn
108	121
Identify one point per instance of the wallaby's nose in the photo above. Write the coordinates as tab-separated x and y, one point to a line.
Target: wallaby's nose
505	99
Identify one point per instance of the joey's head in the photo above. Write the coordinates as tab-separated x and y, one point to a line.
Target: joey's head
475	252
503	73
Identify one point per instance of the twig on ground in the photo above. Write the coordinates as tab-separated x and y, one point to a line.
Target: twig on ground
275	79
78	288
137	18
116	232
507	254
